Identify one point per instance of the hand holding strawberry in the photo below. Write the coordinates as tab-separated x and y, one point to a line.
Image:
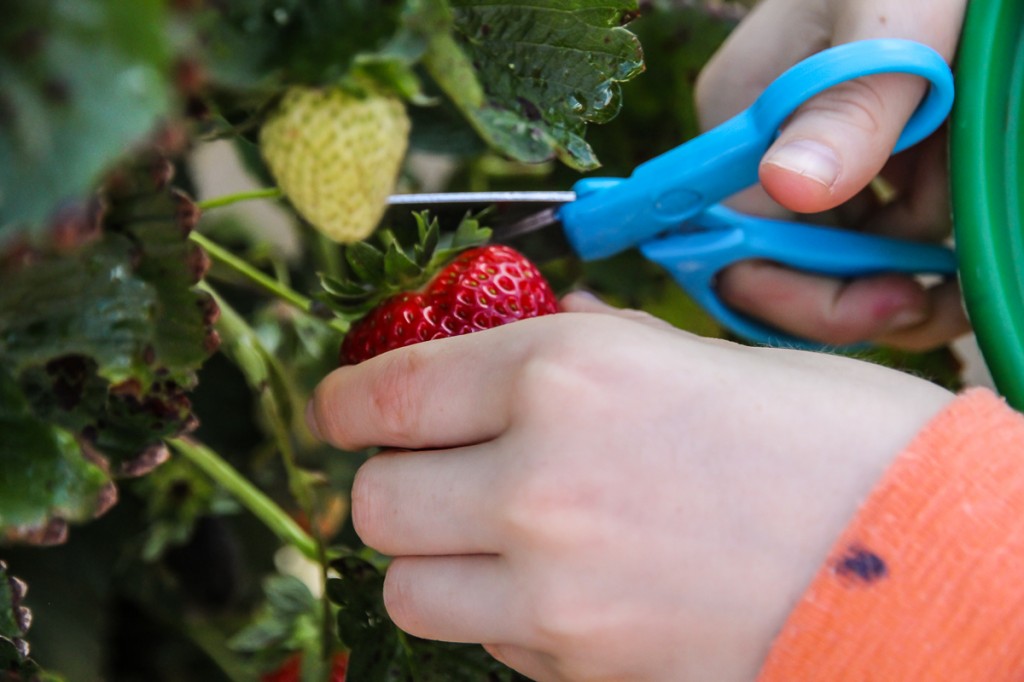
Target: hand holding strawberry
597	495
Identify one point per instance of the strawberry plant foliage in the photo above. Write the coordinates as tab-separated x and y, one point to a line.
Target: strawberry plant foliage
111	318
99	346
64	65
15	620
381	652
529	76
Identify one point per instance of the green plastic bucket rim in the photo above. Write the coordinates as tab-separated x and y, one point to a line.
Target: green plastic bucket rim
987	176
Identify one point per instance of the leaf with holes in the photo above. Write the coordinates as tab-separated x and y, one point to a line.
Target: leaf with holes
530	75
101	340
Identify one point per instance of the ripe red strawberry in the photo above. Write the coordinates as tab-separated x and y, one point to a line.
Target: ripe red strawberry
291	669
482	288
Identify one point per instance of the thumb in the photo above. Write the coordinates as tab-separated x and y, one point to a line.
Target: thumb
838	141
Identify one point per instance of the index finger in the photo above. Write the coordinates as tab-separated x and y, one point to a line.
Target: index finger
441	393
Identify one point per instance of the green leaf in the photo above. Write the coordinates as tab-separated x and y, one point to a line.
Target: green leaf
14	618
100	342
177	496
363	623
399	268
158	225
45	478
85	304
428	232
380	652
66	65
287	622
366	261
125	300
469	233
270	43
288	601
530	75
342	288
15	665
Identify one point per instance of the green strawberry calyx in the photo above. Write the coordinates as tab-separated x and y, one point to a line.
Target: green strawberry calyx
377	273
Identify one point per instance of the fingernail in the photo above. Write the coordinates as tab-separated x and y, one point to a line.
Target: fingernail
311	424
808	158
908	317
584	295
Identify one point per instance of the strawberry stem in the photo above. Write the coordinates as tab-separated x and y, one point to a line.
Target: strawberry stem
251	497
272	286
238	197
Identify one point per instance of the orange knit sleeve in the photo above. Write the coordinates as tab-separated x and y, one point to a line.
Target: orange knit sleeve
927	583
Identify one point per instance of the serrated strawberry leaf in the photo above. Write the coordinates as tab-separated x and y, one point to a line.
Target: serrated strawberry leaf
101	341
66	66
76	304
15	619
15	663
289	614
379	652
125	300
288	624
363	623
530	75
46	479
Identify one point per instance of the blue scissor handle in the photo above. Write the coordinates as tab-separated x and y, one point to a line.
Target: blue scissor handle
695	259
610	215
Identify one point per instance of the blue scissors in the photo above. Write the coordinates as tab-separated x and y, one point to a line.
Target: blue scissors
670	206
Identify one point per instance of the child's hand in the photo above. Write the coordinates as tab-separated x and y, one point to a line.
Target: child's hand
830	150
596	495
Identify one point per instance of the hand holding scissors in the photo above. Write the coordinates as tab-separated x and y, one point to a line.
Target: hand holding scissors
670	206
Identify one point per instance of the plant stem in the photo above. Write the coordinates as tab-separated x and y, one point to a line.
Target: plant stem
253	499
269	284
228	199
329	255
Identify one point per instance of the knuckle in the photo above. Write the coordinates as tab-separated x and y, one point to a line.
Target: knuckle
560	619
857	103
550	511
540	382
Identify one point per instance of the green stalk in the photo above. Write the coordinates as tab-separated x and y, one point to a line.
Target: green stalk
272	286
251	497
212	643
228	199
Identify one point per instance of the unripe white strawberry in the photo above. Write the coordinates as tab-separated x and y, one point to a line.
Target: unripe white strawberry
336	156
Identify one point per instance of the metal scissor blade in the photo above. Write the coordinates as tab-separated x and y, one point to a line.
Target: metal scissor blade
509	214
427	199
